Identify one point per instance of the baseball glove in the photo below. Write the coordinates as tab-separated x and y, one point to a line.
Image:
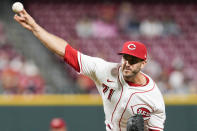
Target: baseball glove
135	123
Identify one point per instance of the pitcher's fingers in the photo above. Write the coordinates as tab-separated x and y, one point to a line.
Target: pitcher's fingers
25	25
22	14
25	14
18	18
24	11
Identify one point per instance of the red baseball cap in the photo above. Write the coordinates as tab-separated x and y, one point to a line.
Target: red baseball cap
57	123
134	48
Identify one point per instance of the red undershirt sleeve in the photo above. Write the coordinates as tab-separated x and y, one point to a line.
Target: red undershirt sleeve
71	57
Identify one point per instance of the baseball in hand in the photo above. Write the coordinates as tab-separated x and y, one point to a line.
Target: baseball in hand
17	7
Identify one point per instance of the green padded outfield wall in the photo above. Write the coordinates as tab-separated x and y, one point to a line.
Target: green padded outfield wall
80	114
181	118
88	118
83	118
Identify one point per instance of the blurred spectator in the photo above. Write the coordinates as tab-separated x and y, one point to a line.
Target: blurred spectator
153	68
17	63
10	80
127	21
104	26
86	85
190	80
176	78
17	75
84	27
30	80
170	26
162	82
151	27
58	124
176	81
4	59
192	85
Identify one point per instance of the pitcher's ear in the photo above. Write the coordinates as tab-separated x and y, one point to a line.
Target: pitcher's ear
143	63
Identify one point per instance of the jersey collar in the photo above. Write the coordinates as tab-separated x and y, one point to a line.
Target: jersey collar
138	85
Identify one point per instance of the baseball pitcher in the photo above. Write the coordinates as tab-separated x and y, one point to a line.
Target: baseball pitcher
125	90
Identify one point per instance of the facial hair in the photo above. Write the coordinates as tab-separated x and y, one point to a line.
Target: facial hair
131	73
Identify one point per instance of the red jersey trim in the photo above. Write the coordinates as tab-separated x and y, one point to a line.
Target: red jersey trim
119	98
153	130
71	57
137	85
130	99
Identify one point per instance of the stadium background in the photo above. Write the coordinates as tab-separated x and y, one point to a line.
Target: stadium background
43	87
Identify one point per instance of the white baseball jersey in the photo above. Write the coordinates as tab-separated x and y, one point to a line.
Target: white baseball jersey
120	99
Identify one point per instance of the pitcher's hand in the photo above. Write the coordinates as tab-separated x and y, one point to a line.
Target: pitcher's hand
25	20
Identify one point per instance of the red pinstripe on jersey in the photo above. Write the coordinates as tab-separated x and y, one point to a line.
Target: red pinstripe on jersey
118	100
130	99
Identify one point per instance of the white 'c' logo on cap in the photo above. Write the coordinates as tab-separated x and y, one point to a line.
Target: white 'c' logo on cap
131	47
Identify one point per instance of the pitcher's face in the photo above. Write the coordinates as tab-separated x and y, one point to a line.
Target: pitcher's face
131	66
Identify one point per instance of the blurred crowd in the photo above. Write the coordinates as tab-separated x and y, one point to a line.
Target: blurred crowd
18	75
21	76
114	21
172	80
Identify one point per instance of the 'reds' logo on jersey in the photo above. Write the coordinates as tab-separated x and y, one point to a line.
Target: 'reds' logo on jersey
144	112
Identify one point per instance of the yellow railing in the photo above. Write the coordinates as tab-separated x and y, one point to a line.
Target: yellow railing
181	99
50	100
79	100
